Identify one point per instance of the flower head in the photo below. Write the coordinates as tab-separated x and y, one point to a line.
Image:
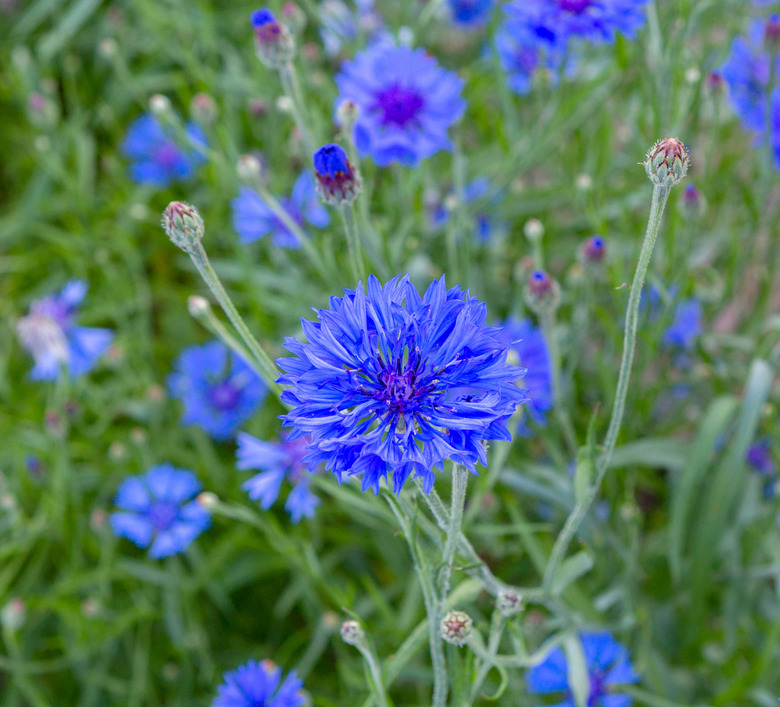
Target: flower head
406	103
50	334
338	182
278	461
608	664
456	627
253	218
521	56
392	382
158	159
158	510
470	13
274	44
257	685
759	457
667	162
218	389
594	249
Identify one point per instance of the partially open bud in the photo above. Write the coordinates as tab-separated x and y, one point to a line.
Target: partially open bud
338	182
509	602
456	627
352	633
594	249
183	225
542	293
274	44
772	34
667	162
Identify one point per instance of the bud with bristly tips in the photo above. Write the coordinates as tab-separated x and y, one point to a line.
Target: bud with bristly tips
183	225
667	162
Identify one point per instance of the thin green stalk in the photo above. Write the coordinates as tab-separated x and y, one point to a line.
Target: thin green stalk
459	482
660	197
353	242
292	89
490	658
377	687
549	329
263	360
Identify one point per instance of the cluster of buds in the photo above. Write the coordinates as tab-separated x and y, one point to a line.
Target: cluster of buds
183	225
667	162
338	182
274	43
456	627
542	293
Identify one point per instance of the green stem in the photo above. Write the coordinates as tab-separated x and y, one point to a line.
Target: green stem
489	659
660	197
353	242
549	329
377	686
459	482
292	89
262	359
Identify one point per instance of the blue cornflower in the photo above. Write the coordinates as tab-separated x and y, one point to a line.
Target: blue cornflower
158	158
406	103
253	218
521	56
686	326
608	663
49	333
528	348
470	13
485	222
159	510
218	389
394	382
340	24
257	685
555	22
278	460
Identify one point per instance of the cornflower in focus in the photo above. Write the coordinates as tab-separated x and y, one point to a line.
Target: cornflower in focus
159	156
257	685
158	510
50	334
279	461
406	103
608	664
253	218
391	382
218	389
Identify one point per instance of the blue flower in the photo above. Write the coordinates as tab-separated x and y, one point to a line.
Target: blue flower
759	456
158	159
521	56
278	460
686	326
257	685
218	389
608	663
253	218
49	333
159	511
555	22
340	24
406	103
394	382
470	13
528	348
485	222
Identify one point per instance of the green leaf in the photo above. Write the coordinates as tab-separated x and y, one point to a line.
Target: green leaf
579	680
571	569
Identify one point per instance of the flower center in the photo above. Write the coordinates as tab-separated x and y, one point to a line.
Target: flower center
225	395
404	384
162	514
596	689
167	155
399	105
575	6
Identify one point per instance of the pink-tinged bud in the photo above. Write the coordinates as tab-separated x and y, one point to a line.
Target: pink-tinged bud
456	627
13	614
594	249
203	108
183	225
542	293
667	162
772	34
274	44
294	17
715	82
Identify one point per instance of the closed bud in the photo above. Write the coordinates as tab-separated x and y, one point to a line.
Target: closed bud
249	169
509	602
203	108
593	250
207	500
274	44
294	17
456	627
772	34
692	202
13	614
159	105
533	229
352	632
346	115
667	162
338	182
542	293
183	225
198	306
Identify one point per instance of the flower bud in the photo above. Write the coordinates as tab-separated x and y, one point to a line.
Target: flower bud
509	602
249	169
207	500
183	225
346	115
715	82
542	293
294	17
274	44
667	162
533	229
198	306
338	182
13	614
203	108
594	249
352	632
456	627
772	34
159	105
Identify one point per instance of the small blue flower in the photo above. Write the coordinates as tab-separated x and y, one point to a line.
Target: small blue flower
253	218
330	161
406	103
759	456
609	666
686	326
392	382
159	511
157	158
278	461
257	685
521	56
50	334
218	389
528	348
470	13
486	224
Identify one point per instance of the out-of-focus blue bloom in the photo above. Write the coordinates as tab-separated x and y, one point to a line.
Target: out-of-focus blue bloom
253	218
218	389
686	326
340	24
257	685
394	382
50	334
555	22
528	348
486	224
406	103
469	14
157	158
759	456
520	58
609	666
158	510
278	460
